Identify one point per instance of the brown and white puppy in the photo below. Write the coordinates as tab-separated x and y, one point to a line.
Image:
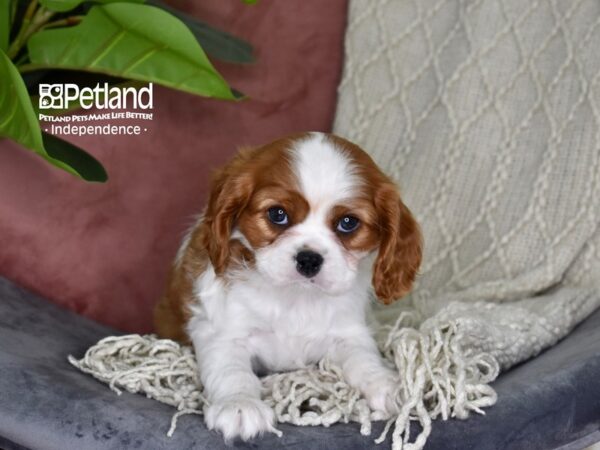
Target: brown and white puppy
277	274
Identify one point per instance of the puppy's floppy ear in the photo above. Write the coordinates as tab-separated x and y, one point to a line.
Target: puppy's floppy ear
230	192
400	248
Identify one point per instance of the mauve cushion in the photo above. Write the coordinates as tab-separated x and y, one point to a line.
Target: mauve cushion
103	250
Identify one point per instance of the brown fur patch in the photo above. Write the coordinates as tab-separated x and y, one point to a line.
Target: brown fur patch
241	193
366	237
172	312
254	222
399	235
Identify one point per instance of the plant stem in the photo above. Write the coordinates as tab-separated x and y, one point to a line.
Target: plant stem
42	16
14	48
33	20
73	20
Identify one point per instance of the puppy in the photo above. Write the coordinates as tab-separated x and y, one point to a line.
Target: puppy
278	271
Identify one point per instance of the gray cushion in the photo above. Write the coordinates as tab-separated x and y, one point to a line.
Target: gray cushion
45	403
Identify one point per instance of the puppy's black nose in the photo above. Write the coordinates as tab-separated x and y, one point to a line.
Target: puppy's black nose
308	263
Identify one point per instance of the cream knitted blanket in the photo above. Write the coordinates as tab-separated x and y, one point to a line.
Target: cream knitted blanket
487	113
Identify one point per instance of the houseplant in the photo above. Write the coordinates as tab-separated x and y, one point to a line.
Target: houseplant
114	41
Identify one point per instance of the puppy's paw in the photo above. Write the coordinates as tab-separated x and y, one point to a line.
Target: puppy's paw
240	416
380	393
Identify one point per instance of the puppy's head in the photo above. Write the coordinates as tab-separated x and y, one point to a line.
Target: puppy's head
306	210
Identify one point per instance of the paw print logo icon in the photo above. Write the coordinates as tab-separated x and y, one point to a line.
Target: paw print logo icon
51	96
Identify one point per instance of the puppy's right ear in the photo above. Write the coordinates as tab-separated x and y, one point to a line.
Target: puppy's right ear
230	192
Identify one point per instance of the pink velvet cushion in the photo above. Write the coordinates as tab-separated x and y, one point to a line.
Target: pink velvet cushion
104	250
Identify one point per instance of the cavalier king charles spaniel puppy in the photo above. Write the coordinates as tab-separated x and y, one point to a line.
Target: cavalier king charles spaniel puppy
278	272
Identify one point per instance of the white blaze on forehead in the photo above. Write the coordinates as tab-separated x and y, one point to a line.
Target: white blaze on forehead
325	174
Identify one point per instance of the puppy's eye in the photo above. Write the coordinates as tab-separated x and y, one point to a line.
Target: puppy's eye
277	215
348	224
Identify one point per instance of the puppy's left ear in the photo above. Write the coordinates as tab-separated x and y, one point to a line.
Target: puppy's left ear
400	248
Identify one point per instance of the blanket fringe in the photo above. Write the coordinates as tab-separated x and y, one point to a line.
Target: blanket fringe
438	379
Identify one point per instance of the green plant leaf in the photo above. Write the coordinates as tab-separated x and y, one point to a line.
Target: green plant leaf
17	118
218	44
83	163
68	5
5	15
19	123
60	5
132	41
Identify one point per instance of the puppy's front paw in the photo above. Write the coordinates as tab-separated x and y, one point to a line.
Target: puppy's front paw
380	393
240	416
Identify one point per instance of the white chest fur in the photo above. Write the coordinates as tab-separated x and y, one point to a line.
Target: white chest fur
280	328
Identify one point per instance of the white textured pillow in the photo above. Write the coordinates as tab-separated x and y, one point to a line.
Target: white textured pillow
487	114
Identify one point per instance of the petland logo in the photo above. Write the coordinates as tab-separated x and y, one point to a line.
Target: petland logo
63	96
107	101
